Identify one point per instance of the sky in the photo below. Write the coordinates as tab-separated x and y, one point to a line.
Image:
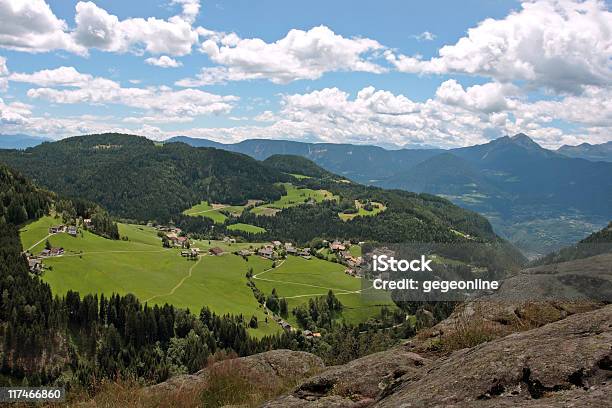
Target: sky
392	73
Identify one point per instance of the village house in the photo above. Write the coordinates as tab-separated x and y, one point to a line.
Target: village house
266	252
35	265
229	240
307	333
337	246
72	230
216	251
277	244
304	253
179	241
292	250
288	245
56	229
244	252
350	272
190	253
286	326
52	252
87	222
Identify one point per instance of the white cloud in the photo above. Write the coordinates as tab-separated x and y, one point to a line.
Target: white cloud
562	45
299	55
3	68
73	87
3	73
62	76
456	116
31	26
191	9
425	36
488	98
96	28
15	113
164	62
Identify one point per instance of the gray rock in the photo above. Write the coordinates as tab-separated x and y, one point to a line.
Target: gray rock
358	383
569	360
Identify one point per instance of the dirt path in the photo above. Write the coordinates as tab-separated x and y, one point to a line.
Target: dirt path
178	285
45	238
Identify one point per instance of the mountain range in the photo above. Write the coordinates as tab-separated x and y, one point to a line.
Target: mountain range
539	199
137	179
20	141
598	152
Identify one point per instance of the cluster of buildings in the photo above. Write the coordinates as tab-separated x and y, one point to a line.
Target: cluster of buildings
69	229
275	250
190	253
173	235
341	249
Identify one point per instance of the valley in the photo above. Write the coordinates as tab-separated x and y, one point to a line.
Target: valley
138	264
538	199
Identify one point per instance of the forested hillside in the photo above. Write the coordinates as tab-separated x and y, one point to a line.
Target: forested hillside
19	199
78	342
134	178
293	164
599	242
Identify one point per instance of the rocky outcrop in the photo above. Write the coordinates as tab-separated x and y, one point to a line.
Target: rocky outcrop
272	368
564	363
572	356
356	384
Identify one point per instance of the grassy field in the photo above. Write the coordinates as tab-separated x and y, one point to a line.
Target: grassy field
362	212
141	266
298	279
204	209
156	275
215	211
299	176
246	228
295	196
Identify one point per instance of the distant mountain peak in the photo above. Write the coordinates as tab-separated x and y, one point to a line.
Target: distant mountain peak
524	140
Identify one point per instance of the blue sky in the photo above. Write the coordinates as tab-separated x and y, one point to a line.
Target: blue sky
391	73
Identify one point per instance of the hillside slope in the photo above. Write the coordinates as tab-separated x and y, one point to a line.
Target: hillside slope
134	178
541	200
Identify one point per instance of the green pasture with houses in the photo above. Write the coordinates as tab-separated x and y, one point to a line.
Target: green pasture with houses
139	264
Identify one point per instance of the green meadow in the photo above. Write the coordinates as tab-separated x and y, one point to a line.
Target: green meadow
204	209
253	229
139	264
295	196
377	208
298	279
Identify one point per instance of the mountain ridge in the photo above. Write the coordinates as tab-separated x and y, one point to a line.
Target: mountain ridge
527	192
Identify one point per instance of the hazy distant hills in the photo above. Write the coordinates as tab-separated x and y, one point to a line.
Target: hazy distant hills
540	199
365	164
600	152
20	141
